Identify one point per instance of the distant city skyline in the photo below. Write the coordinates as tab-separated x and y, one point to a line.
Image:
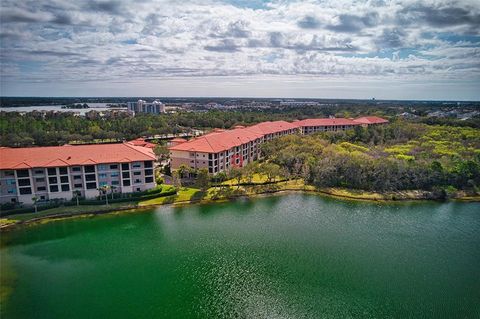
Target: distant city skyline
405	50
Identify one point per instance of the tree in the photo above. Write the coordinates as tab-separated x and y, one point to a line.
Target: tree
35	199
271	170
183	170
249	171
77	194
104	190
203	179
236	174
177	181
161	151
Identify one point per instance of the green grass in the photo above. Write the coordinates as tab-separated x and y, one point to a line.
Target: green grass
78	210
257	179
74	210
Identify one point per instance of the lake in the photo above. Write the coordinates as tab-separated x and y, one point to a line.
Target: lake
290	256
93	106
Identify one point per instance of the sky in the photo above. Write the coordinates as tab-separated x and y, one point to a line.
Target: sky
314	49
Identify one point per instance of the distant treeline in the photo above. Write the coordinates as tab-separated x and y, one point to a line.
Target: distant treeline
58	128
29	101
400	156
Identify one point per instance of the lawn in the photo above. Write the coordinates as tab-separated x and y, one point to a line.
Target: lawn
257	179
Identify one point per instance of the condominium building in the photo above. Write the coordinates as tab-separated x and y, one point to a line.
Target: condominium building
155	107
370	120
221	150
56	172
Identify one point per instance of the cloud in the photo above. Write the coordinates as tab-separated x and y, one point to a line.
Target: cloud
309	22
226	45
149	39
390	38
354	23
62	18
110	7
438	15
22	16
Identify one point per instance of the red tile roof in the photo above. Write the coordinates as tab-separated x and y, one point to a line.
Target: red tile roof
142	142
222	140
53	156
370	120
272	127
219	141
326	122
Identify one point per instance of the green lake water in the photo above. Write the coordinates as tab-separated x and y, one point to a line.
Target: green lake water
291	256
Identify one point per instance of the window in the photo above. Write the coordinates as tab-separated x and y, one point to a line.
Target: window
63	170
10	181
52	180
102	167
23	173
76	169
91	185
77	177
149	179
11	191
136	165
126	182
52	171
39	179
148	164
24	182
102	175
25	191
101	184
137	173
137	181
90	177
41	188
125	174
53	188
114	175
114	166
150	171
77	185
125	167
65	188
89	169
63	179
115	182
9	173
39	172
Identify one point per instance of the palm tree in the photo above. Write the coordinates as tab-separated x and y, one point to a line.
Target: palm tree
77	194
35	199
113	189
103	190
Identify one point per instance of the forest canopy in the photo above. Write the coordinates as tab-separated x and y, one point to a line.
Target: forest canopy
400	156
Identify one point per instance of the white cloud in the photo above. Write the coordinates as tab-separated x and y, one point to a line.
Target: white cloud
144	41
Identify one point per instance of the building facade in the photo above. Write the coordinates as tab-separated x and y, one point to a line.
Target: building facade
221	150
57	172
141	106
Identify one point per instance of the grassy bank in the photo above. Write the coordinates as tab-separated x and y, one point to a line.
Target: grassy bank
223	192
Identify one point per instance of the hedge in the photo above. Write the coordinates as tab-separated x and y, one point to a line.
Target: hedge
143	196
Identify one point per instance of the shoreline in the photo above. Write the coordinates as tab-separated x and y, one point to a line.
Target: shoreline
336	193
